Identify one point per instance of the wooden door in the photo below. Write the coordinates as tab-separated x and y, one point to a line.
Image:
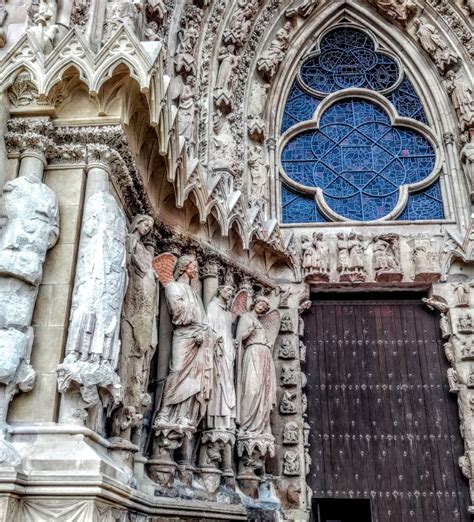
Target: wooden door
383	423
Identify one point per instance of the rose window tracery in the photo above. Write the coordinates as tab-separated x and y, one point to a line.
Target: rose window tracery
356	162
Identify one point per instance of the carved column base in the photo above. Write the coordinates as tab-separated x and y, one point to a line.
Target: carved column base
212	478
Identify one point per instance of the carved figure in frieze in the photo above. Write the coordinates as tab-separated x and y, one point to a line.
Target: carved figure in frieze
186	114
240	25
228	63
268	64
439	51
287	349
425	256
397	10
288	403
302	352
350	263
286	325
463	101
190	380
461	293
80	12
315	258
453	380
301	8
256	384
87	377
449	351
445	326
188	35
139	326
291	433
224	144
465	324
467	349
386	249
289	376
291	463
258	173
284	294
465	465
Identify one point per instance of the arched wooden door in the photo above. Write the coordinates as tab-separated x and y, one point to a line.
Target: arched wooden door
384	426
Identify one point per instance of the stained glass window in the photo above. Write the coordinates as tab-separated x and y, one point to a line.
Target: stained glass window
356	157
347	58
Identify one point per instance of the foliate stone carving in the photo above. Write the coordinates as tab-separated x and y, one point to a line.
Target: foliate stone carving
463	101
188	36
271	59
465	324
139	334
87	377
397	10
256	394
462	295
289	376
228	63
439	51
350	263
80	12
386	252
190	380
287	349
288	403
426	258
291	433
315	262
302	8
291	464
22	91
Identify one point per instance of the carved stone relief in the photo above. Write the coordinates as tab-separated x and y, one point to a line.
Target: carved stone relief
270	60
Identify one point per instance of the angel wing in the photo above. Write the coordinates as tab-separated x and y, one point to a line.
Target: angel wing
271	325
164	265
240	304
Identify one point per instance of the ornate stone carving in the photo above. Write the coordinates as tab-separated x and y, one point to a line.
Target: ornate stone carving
291	433
462	294
22	91
397	10
288	403
80	12
302	8
87	377
463	102
287	349
188	36
3	16
286	325
138	329
386	251
43	28
350	263
289	376
240	25
465	324
256	127
270	61
315	262
190	380
126	12
224	146
155	14
426	258
291	464
470	6
256	392
258	174
225	78
429	38
186	114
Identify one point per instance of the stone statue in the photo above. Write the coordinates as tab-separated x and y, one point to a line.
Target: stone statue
188	36
291	433
87	377
432	43
291	463
190	379
386	252
461	294
241	23
350	264
256	388
425	256
138	327
301	8
463	102
44	29
268	64
258	173
316	258
225	78
123	12
186	114
29	221
397	10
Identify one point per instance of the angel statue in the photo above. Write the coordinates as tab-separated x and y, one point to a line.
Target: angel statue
191	365
257	331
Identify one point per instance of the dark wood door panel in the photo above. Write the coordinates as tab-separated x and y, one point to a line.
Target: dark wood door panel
383	423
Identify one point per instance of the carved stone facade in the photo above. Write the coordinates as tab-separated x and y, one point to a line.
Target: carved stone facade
152	297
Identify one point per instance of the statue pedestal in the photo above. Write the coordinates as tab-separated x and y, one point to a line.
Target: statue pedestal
249	484
212	478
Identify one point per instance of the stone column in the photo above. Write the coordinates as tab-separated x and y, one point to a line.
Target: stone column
29	215
93	345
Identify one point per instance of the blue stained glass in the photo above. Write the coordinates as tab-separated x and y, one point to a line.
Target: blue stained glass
426	204
407	102
300	106
358	159
347	59
298	208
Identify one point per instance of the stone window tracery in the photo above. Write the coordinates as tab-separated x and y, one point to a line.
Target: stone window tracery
352	159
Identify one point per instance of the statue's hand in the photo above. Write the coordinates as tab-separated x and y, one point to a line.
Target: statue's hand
199	338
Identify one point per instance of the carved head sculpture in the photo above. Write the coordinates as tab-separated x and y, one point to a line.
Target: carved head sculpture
261	305
186	265
225	292
142	224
